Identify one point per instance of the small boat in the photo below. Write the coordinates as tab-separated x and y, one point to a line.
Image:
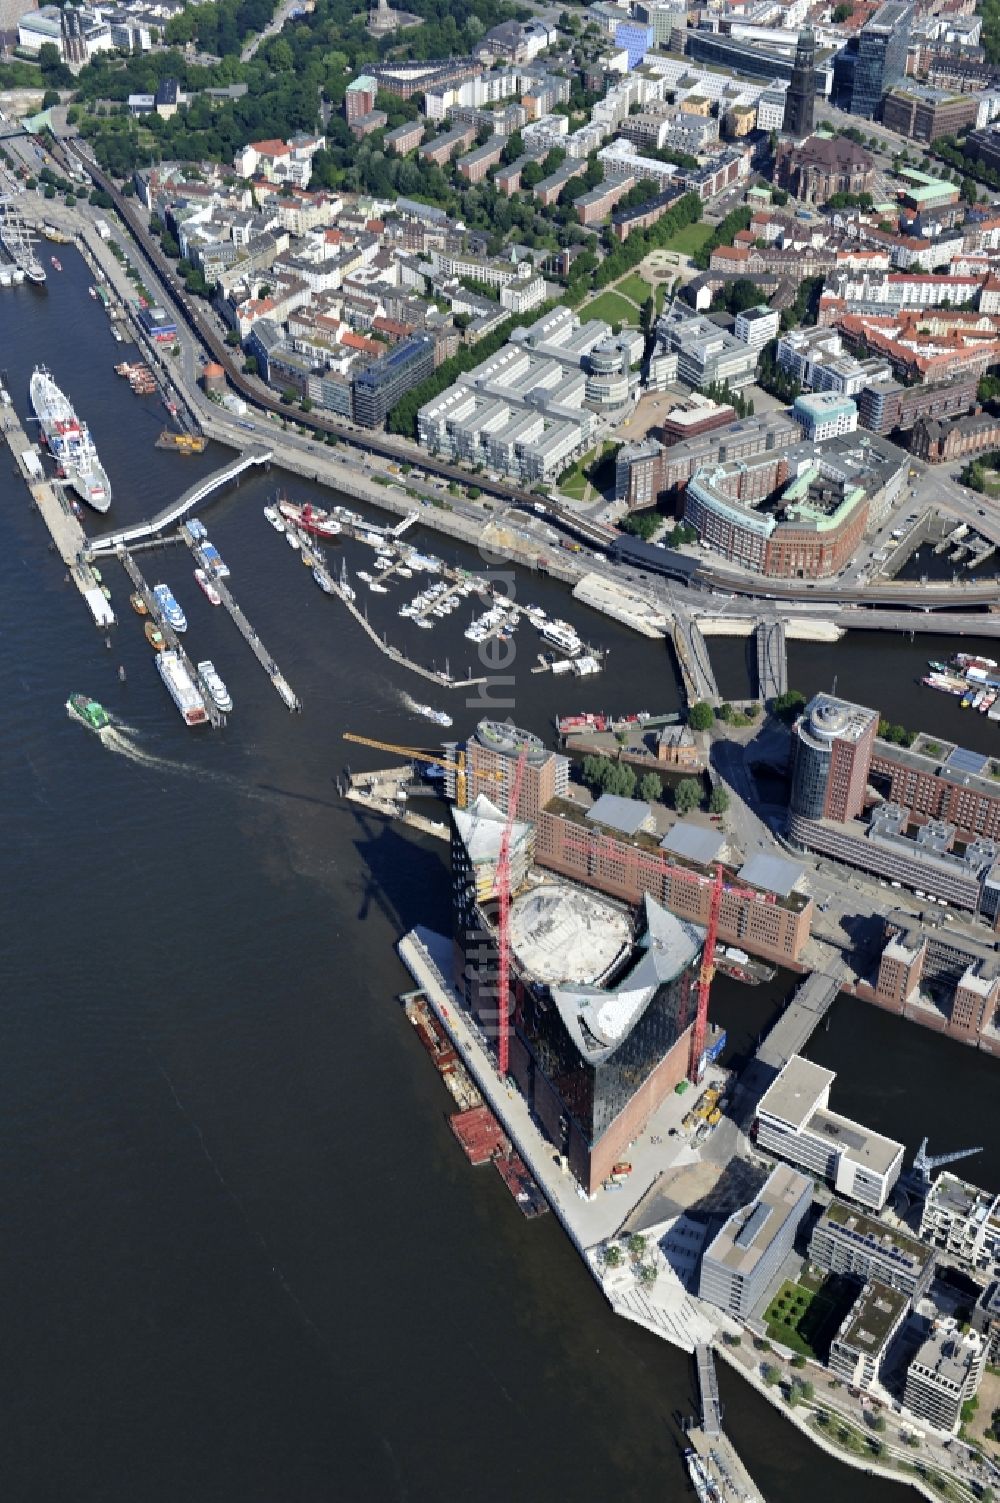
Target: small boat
212	681
378	589
168	605
292	541
137	603
154	636
208	587
272	516
93	292
364	576
82	707
438	716
425	625
323	580
56	263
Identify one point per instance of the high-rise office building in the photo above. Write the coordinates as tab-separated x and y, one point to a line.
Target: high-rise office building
831	755
801	96
874	60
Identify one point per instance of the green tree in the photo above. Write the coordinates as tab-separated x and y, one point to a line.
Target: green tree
718	800
650	787
612	1256
687	795
701	716
250	365
788	706
50	98
636	1245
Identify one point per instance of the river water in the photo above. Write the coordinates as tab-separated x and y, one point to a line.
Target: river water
244	1257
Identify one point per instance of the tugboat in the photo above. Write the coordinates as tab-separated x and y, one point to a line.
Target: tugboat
93	715
154	636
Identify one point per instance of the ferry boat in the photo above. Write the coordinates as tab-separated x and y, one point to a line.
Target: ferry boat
182	688
701	1480
312	518
567	724
212	680
56	263
69	441
94	716
137	603
208	587
561	635
155	637
429	713
163	596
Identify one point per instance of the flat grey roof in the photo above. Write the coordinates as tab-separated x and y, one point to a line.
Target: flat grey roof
854	1141
625	814
749	1232
695	842
772	873
795	1094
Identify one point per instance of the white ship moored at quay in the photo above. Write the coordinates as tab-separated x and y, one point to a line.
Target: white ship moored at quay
18	241
69	441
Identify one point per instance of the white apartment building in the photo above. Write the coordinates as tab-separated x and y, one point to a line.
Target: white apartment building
869	1328
943	1375
756	327
794	1122
963	1222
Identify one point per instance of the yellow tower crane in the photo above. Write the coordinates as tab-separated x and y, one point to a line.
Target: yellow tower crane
419	754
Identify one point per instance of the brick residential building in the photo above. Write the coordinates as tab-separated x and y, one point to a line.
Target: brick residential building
889	405
935	441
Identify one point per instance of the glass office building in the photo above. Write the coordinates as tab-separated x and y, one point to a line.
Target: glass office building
873	61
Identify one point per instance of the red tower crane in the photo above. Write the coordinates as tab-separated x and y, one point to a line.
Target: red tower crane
503	938
705	975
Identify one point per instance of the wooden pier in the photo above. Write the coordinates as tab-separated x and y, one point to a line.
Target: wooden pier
68	537
135	574
248	634
433	675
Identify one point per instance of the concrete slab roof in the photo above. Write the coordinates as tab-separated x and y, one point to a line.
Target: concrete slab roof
563	934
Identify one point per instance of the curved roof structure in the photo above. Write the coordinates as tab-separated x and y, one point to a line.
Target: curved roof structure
599	1020
566	935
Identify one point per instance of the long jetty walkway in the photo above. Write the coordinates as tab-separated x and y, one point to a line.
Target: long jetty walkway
110	542
135	574
720	1463
68	537
433	675
248	633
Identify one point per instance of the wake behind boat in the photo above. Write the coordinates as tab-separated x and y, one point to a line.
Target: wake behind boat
69	441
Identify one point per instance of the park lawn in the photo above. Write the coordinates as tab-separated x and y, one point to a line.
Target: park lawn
573	482
634	287
689	239
806	1320
612	308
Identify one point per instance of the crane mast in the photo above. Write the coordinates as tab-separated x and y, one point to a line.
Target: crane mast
705	974
503	937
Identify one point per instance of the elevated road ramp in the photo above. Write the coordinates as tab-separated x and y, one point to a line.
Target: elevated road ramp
110	542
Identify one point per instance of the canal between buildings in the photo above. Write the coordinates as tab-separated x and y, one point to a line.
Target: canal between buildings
245	1259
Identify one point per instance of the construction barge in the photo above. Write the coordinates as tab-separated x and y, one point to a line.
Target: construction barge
182	443
482	1139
